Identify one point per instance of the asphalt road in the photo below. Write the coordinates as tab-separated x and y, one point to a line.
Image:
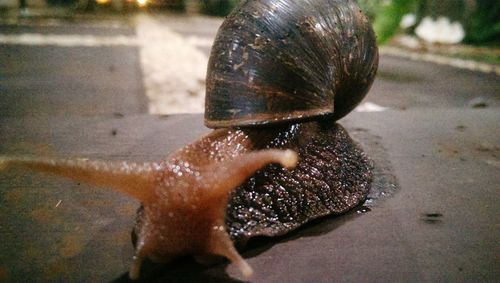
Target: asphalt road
50	79
85	88
127	65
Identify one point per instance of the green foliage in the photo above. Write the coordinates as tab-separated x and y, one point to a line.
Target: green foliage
370	7
218	7
389	16
483	26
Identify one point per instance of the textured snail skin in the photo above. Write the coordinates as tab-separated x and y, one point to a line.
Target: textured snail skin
211	193
272	61
278	60
333	175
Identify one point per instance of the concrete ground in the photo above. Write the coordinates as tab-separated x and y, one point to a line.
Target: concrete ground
156	63
88	88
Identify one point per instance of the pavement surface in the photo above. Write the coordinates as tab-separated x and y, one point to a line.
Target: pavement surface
156	63
83	87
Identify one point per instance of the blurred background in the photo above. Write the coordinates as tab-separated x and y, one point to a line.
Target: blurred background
133	56
472	21
82	78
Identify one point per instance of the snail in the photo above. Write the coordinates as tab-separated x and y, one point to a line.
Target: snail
280	74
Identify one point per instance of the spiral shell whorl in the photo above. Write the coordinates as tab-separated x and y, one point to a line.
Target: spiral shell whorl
278	60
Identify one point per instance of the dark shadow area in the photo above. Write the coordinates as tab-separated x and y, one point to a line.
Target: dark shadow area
384	185
185	269
181	270
314	228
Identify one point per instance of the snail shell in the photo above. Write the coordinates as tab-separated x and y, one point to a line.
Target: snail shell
278	60
273	61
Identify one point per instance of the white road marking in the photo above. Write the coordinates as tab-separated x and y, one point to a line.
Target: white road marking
67	40
199	41
370	107
84	22
173	69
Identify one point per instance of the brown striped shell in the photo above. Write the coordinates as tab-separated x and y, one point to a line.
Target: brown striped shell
278	60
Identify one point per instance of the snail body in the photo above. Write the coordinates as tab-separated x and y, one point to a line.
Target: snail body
283	63
279	76
332	176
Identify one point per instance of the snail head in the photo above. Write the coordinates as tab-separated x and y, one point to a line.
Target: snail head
184	204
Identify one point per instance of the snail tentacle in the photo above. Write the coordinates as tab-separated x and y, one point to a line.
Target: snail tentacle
131	178
139	256
188	213
279	63
226	176
183	213
221	244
